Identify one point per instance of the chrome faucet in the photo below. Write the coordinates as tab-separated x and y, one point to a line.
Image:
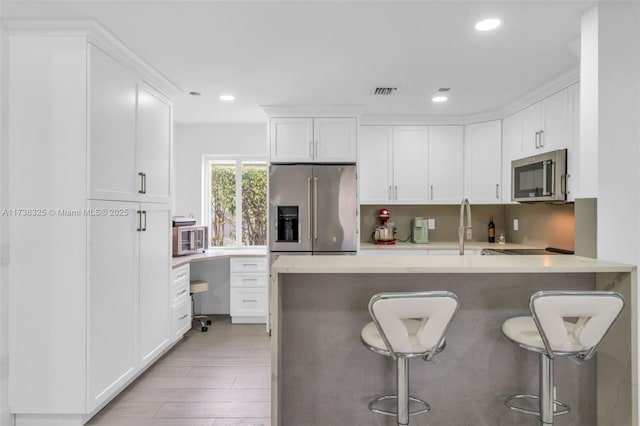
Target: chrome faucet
462	228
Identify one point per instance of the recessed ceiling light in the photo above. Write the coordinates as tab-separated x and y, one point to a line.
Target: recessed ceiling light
439	99
227	98
488	24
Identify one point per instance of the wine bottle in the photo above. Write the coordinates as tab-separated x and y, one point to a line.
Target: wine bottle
492	230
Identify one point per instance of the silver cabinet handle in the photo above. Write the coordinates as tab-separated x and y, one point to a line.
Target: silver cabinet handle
563	184
183	317
143	183
250	300
431	196
139	220
541	138
184	274
315	208
249	279
536	140
181	292
395	189
498	190
309	207
389	194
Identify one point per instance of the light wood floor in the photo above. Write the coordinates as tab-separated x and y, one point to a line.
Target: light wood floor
217	378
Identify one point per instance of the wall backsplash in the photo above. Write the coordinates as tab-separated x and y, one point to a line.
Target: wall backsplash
541	225
544	225
447	220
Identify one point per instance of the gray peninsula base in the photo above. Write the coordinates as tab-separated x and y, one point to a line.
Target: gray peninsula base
326	376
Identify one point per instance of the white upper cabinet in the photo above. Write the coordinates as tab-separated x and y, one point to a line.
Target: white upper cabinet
375	168
546	125
393	164
445	164
410	164
320	140
291	139
483	162
112	128
130	134
153	147
511	150
334	140
572	157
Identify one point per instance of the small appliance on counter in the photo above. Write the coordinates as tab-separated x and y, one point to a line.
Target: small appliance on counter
419	230
188	238
384	231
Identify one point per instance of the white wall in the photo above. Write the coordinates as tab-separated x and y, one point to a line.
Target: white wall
191	143
611	85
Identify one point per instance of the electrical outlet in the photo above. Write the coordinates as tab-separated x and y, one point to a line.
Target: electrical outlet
431	224
515	224
469	234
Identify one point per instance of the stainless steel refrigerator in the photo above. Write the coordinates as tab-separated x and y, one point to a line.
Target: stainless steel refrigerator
312	209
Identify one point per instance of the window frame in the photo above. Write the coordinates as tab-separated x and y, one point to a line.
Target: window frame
207	161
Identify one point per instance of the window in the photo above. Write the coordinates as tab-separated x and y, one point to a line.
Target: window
235	201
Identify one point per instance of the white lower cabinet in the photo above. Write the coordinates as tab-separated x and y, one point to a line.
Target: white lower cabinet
248	299
180	302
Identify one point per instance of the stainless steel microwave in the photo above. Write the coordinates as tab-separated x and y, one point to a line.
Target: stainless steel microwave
540	178
190	240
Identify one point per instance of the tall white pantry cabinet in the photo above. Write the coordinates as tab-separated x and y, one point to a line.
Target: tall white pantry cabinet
90	143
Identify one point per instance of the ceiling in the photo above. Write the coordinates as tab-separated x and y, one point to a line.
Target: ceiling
335	52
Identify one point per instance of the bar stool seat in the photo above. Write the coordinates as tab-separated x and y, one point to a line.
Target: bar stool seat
548	333
199	286
407	325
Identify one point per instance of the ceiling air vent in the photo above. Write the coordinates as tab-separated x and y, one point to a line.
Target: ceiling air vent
384	91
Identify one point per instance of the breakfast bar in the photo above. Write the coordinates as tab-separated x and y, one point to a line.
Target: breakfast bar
323	375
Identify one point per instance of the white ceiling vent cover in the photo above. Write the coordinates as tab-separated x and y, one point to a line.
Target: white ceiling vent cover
384	91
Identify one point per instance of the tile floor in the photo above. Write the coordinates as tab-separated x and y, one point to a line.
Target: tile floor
217	378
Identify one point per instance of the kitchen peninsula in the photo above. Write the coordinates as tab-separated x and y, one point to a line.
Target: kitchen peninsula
321	370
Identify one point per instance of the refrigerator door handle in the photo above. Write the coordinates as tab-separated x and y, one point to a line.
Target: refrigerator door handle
309	207
315	208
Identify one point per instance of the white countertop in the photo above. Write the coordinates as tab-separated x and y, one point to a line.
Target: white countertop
443	245
218	253
445	264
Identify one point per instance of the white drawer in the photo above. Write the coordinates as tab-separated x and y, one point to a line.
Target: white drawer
248	264
180	273
181	319
249	280
178	290
248	302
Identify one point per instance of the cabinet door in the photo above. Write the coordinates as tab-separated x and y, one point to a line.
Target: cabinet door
334	140
511	150
291	140
410	163
483	162
112	129
112	299
556	122
153	145
375	160
573	179
445	164
531	127
155	272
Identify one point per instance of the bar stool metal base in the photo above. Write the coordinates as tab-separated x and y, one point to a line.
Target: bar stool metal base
373	409
564	408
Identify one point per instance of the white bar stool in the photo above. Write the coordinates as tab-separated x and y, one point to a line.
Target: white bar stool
407	325
199	286
547	333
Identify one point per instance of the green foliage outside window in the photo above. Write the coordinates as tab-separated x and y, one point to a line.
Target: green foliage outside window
252	207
